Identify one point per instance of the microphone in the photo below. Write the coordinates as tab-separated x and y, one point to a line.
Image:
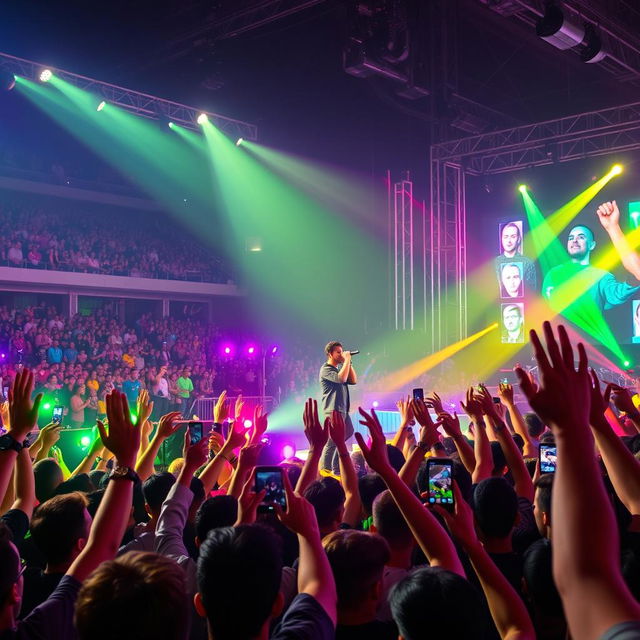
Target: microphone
355	352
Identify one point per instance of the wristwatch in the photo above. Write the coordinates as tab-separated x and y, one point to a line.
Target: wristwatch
120	473
9	443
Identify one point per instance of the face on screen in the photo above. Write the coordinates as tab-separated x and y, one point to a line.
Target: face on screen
510	239
512	318
511	277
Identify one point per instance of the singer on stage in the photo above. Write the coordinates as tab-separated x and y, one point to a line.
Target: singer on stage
336	374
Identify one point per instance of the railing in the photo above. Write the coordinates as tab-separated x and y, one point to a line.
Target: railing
203	407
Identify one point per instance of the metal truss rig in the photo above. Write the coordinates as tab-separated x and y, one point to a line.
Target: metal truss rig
135	102
589	134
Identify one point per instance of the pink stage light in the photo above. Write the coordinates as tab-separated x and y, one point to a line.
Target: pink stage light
247	423
375	404
274	349
251	350
288	451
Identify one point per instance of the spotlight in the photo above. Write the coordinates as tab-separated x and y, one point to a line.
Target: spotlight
239	142
7	80
557	30
85	441
288	451
227	350
45	75
274	349
171	125
247	423
202	118
46	405
616	170
375	404
101	106
251	350
626	363
522	188
3	355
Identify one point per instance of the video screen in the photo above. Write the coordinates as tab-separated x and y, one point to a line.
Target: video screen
548	459
440	484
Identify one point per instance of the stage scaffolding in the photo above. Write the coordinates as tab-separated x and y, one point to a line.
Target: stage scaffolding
135	102
585	135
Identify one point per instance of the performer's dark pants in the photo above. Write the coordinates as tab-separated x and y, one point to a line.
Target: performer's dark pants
160	407
330	459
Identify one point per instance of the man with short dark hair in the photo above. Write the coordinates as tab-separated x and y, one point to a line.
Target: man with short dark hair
336	374
542	504
327	498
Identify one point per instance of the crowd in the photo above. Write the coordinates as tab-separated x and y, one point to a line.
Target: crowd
116	549
88	239
78	361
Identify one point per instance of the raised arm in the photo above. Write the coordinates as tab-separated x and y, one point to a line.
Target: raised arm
507	609
623	401
406	416
315	576
25	485
317	436
481	446
167	426
609	216
431	537
110	522
343	374
451	426
429	441
348	475
593	593
505	393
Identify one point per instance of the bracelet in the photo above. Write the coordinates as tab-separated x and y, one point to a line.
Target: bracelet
423	446
345	455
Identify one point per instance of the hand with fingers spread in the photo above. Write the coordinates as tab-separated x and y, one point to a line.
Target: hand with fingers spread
316	434
472	407
622	399
195	455
237	435
375	453
563	398
23	412
433	400
429	435
260	424
300	516
337	431
460	522
505	393
239	408
144	407
221	409
123	437
406	411
249	501
450	424
489	408
168	425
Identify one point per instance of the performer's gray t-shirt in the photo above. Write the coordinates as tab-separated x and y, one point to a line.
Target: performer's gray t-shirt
335	394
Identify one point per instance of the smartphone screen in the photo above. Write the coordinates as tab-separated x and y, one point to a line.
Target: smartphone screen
548	458
418	394
196	431
270	478
495	400
440	473
57	415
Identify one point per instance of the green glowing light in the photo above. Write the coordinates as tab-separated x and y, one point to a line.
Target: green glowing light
101	106
239	142
171	125
522	188
46	405
626	363
45	75
634	213
85	441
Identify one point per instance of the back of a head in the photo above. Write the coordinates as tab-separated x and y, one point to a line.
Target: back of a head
216	512
327	498
499	460
370	485
239	572
58	524
433	598
544	490
390	523
538	576
48	475
9	564
81	482
357	559
495	506
156	488
534	425
136	596
396	458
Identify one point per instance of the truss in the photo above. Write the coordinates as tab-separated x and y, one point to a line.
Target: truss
141	104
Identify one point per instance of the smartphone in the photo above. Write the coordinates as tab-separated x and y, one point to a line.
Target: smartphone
30	439
270	478
495	400
57	415
505	381
418	394
440	475
196	431
5	393
548	458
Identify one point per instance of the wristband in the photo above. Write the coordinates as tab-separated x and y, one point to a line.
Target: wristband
423	446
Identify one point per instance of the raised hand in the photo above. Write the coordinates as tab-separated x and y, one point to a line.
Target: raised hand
621	398
433	400
260	423
239	407
608	214
168	424
316	434
248	456
472	407
300	516
249	501
375	453
23	413
237	435
599	402
405	410
337	429
221	408
144	407
564	397
450	424
215	441
195	455
505	393
123	438
460	522
483	396
428	432
50	435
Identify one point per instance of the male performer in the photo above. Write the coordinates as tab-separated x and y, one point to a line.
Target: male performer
336	374
597	285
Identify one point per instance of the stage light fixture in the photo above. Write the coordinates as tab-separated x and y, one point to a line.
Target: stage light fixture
171	125
101	106
85	441
522	188
251	350
274	349
7	79
239	142
616	170
46	405
375	404
626	363
288	451
45	75
202	118
593	51
558	30
247	424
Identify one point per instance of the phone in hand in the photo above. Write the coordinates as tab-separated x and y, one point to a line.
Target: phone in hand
440	478
270	479
496	400
196	431
418	394
57	414
548	458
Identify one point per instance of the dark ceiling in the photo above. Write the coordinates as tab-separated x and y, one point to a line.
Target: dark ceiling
287	76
